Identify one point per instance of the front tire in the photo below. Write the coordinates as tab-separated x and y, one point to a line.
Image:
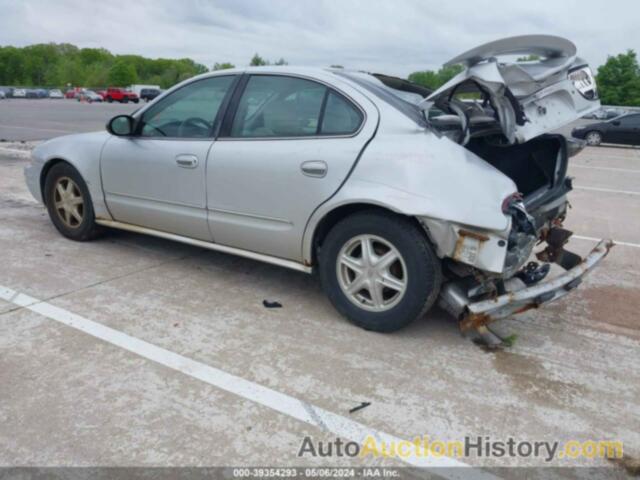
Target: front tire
593	138
69	203
379	270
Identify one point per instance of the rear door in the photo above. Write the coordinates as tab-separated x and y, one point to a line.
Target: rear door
628	132
287	146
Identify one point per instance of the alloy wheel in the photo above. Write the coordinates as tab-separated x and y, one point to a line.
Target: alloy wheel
594	138
372	273
68	202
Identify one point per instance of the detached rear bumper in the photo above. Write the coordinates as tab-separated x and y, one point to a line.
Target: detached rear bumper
480	313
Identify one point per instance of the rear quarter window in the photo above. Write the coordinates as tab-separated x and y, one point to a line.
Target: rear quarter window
341	117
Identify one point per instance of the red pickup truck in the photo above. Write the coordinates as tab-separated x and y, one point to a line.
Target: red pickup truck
120	95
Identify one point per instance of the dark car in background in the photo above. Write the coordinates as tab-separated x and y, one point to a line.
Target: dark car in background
623	130
148	94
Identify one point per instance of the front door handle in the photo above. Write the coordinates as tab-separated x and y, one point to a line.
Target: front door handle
187	161
314	168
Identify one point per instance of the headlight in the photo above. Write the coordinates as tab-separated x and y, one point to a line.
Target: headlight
584	82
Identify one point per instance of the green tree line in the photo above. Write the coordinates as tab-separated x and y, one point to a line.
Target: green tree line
57	65
61	64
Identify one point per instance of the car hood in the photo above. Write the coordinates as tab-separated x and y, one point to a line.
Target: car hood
529	98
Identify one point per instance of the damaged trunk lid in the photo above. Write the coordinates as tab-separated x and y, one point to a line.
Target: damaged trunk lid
524	99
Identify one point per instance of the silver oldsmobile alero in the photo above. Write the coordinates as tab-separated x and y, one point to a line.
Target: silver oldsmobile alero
396	195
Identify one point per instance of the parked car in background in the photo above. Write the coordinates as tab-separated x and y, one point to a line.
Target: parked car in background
32	93
71	93
148	94
342	173
623	130
2	95
88	96
605	114
120	95
102	93
8	91
19	93
56	93
137	89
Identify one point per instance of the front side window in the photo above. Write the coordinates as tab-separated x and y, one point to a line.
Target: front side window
189	112
277	106
631	121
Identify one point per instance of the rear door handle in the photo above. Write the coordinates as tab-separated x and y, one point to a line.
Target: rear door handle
187	161
314	168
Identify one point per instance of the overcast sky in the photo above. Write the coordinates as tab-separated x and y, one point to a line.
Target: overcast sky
390	36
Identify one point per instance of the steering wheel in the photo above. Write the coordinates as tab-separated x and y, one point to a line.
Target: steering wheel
465	133
193	122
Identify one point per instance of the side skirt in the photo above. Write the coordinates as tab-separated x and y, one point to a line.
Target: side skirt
281	262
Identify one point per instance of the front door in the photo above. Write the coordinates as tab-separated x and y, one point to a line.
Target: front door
156	178
288	148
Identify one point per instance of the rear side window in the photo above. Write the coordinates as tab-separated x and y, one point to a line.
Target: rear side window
279	106
340	116
276	106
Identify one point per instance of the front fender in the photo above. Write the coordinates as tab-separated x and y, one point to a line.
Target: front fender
80	150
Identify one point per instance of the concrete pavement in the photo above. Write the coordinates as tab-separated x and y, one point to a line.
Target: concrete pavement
69	398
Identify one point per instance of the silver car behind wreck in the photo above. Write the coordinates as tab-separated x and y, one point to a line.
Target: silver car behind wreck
396	195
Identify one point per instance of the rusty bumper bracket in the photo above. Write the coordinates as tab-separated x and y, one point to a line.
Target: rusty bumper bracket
478	314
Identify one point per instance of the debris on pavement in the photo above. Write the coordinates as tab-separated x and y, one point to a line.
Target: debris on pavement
360	407
270	304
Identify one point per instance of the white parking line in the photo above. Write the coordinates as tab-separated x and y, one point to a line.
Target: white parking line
607	190
597	155
610	169
16	152
594	239
318	417
17	127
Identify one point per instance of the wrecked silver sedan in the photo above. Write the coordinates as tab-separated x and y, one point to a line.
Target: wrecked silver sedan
397	196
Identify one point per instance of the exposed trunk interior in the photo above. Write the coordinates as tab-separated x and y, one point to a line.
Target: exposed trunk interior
534	166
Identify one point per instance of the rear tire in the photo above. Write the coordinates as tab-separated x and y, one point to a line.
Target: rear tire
593	138
379	270
69	203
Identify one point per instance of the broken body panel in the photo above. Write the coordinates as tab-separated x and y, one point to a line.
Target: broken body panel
529	98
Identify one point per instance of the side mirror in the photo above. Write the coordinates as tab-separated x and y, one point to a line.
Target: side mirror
121	125
616	123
